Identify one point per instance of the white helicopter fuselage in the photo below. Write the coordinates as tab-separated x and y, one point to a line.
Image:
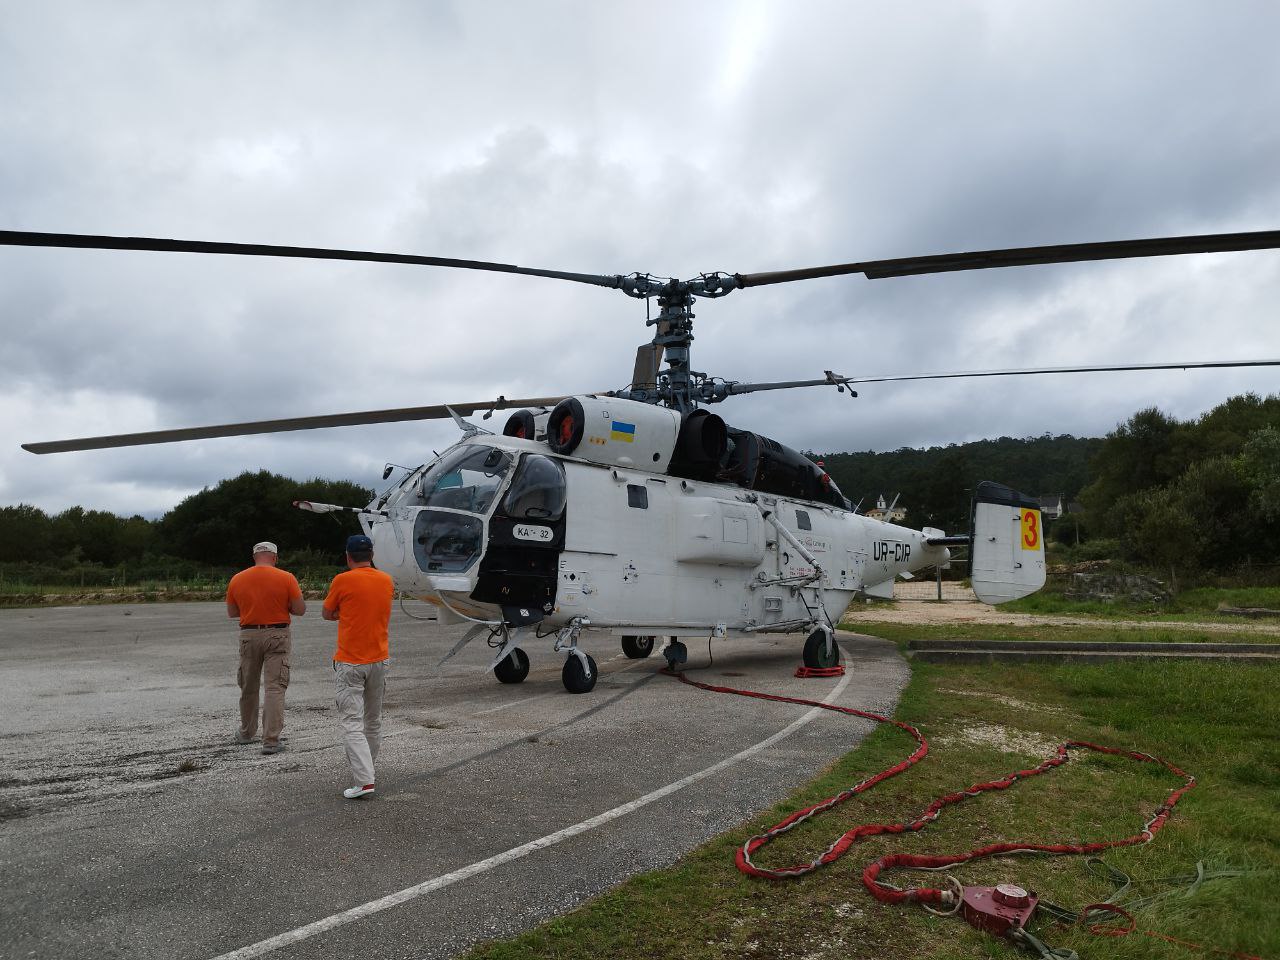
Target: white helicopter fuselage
636	520
642	553
702	557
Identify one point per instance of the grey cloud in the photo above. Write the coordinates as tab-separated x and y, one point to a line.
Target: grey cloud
569	136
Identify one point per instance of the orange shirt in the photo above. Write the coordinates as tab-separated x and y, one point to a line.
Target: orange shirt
362	599
263	593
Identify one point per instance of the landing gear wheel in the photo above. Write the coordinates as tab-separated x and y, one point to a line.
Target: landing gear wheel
513	668
637	648
676	653
575	678
815	651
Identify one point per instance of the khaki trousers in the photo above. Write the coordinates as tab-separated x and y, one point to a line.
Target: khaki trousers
358	690
264	655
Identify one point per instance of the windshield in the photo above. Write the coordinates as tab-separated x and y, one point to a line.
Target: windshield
465	479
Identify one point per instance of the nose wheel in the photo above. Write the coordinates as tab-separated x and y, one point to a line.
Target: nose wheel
512	668
579	673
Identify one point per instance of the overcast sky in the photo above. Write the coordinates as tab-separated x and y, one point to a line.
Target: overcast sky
668	138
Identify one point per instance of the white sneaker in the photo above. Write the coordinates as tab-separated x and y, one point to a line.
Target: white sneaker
351	793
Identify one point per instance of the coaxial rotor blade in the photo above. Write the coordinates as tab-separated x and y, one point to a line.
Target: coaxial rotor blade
438	412
1025	256
1101	368
22	238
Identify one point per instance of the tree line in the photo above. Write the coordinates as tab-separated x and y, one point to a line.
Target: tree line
1195	495
216	527
936	484
1191	495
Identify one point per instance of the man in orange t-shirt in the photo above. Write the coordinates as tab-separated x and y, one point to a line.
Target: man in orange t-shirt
262	598
360	600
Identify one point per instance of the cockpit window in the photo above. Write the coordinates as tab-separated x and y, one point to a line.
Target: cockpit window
538	490
465	479
446	542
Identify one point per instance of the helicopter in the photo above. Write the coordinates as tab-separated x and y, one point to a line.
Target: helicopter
639	512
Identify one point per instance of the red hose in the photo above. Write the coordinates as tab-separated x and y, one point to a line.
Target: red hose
871	875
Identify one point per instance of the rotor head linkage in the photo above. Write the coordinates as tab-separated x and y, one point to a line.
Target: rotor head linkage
679	386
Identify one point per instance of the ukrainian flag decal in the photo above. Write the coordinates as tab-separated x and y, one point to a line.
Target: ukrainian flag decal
626	432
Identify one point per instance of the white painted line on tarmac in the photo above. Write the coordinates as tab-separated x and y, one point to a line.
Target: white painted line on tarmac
318	927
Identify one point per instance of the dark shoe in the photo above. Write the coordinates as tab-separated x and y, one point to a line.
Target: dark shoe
243	740
272	747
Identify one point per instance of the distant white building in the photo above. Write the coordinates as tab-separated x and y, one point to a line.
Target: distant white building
884	511
1051	507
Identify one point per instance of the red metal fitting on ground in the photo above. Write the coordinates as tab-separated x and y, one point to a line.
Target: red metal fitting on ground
998	909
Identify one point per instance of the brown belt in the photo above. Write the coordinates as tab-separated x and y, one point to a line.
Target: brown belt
263	626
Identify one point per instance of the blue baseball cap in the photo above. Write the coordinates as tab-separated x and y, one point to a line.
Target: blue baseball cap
359	543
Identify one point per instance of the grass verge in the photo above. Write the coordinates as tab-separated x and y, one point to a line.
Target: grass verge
1218	721
35	595
1201	603
1076	633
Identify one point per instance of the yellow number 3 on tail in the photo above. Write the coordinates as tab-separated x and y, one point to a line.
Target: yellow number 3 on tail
1030	529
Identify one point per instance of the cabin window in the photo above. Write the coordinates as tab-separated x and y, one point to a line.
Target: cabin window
637	497
802	520
538	491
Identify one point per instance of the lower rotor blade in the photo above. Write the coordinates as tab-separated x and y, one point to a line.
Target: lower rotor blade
438	412
1104	368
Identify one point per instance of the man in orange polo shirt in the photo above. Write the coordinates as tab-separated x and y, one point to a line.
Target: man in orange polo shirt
262	598
360	600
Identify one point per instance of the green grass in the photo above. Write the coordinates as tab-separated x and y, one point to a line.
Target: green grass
1208	598
1217	721
1153	632
1200	603
139	591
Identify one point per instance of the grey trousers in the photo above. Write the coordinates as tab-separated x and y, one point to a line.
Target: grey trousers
358	689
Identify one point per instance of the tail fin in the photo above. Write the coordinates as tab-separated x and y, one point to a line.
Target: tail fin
1008	544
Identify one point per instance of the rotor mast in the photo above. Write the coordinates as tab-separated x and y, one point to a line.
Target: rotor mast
679	386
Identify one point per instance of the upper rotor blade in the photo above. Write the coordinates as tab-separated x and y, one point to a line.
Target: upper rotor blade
22	238
1026	256
439	412
1104	368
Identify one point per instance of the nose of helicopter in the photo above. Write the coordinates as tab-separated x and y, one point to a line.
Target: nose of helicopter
388	546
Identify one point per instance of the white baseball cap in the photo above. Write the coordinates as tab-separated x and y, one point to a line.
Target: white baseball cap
266	546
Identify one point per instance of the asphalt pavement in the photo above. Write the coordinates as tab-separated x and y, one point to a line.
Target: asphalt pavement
132	826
